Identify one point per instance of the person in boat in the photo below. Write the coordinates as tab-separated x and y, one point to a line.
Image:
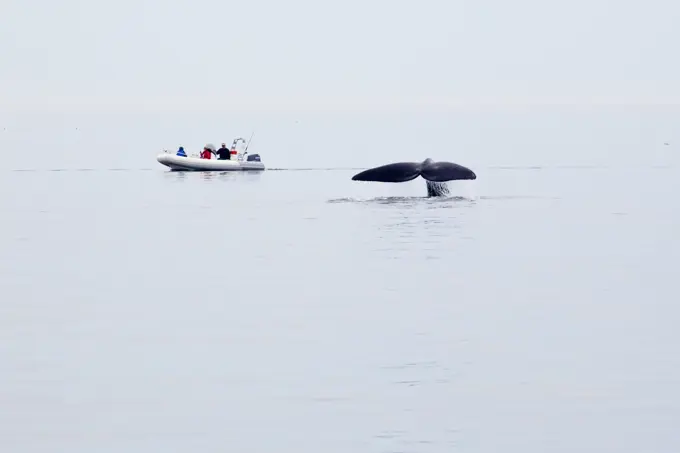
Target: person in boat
205	154
180	152
223	153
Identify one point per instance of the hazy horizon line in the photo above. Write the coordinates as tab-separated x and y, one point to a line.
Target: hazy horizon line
176	104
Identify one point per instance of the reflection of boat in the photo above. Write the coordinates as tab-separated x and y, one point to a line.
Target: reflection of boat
237	162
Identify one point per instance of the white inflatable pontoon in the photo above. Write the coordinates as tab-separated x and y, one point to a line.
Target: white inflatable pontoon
192	163
237	162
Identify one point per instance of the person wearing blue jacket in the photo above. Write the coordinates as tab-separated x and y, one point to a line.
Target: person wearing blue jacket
180	152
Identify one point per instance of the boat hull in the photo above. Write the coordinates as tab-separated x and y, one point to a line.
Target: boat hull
180	163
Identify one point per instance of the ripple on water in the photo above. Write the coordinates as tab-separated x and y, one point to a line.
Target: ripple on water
433	202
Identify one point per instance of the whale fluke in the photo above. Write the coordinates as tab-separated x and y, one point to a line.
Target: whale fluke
435	173
446	171
399	172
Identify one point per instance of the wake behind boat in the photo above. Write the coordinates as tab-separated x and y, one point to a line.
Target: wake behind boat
236	161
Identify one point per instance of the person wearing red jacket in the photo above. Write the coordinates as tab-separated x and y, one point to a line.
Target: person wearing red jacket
205	154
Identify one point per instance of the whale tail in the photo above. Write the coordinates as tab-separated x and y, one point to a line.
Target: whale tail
435	173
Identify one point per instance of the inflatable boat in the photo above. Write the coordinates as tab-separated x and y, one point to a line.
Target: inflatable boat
196	163
237	162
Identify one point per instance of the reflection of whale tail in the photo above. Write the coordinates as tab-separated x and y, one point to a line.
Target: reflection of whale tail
436	173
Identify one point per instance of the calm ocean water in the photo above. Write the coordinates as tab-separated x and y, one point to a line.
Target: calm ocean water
298	311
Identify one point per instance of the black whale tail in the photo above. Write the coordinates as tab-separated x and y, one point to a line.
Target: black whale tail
407	171
435	173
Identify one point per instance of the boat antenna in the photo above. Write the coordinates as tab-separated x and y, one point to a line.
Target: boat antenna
248	144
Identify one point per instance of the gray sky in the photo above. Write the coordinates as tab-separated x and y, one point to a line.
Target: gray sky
132	55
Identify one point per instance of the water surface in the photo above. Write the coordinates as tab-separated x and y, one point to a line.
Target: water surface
298	311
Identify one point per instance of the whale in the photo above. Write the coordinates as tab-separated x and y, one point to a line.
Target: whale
435	174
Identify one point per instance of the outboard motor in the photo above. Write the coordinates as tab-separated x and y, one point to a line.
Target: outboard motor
253	158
